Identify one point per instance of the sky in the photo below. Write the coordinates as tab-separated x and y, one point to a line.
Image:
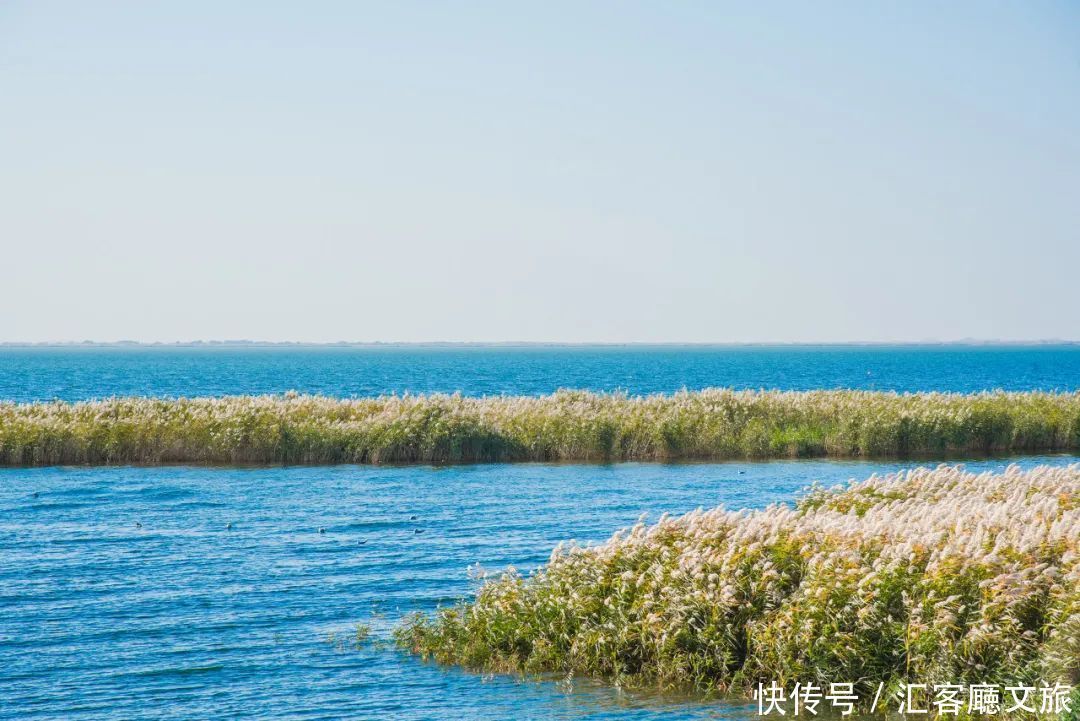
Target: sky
551	172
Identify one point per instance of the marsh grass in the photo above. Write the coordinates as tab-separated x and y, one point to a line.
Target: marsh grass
1073	714
928	576
565	426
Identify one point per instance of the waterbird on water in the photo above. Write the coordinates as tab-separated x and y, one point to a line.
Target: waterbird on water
322	530
228	526
412	518
138	525
418	530
361	542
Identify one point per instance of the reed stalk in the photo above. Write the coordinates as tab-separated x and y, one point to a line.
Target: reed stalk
564	426
929	576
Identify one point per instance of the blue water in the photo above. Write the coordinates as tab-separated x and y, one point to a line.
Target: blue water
184	618
79	373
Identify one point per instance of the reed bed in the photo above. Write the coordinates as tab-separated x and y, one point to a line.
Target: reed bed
929	576
564	426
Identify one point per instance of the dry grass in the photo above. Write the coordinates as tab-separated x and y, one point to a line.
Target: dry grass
929	576
565	426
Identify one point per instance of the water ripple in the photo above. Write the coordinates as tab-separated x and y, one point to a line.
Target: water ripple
184	617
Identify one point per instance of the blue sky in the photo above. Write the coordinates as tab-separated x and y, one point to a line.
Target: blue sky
578	171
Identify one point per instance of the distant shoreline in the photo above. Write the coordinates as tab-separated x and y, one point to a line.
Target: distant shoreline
962	343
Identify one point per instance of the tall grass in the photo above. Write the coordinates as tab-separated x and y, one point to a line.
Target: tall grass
930	576
565	426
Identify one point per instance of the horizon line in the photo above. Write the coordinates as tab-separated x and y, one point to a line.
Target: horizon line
245	343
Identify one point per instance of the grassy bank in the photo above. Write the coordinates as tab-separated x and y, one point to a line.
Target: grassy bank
933	576
565	426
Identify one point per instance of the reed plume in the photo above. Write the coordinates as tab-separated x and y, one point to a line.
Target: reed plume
564	426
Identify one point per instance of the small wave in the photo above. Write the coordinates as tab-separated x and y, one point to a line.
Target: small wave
373	525
164	494
188	505
57	505
177	671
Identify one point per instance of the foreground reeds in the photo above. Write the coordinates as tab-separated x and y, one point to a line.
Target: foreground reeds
565	426
930	576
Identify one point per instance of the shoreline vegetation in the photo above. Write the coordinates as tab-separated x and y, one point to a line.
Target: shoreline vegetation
582	426
929	576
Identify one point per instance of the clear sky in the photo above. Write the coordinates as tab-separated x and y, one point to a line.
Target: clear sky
546	171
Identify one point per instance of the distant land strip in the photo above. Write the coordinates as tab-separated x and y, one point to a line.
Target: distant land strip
564	426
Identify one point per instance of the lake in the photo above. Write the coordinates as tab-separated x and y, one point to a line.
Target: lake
78	373
125	594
